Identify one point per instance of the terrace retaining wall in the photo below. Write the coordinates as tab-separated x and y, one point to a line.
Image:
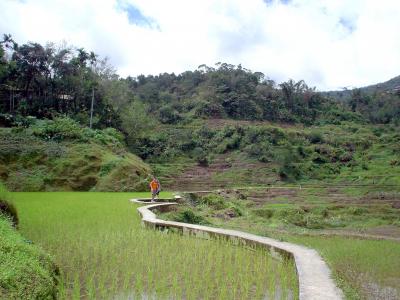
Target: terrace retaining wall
315	281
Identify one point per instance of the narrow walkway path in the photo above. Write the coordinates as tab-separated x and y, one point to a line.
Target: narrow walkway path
315	281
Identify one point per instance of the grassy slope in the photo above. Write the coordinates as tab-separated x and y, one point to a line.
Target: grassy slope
103	252
376	159
363	268
327	154
26	272
28	163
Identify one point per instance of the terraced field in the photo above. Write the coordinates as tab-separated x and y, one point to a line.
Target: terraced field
104	253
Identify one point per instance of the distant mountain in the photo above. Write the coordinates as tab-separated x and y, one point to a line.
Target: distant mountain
390	86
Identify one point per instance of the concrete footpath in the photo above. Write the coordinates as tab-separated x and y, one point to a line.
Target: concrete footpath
315	281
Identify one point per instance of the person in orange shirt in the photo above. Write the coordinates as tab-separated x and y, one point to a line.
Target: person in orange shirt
155	188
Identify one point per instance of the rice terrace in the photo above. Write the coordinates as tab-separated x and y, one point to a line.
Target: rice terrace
110	256
199	150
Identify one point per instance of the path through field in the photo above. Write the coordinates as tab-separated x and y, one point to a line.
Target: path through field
314	276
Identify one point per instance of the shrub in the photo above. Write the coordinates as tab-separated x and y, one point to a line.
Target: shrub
108	136
322	211
346	157
209	109
193	198
315	138
200	156
234	211
303	218
261	151
216	201
290	171
169	115
318	159
203	161
58	129
64	129
302	151
188	216
313	222
6	208
205	133
276	135
293	216
6	120
266	213
234	142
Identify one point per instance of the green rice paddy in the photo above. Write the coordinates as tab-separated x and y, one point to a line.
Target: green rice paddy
364	269
103	253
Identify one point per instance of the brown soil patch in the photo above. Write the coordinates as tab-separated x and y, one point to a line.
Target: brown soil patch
198	178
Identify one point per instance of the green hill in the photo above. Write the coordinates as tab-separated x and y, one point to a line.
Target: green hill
378	103
390	86
60	155
252	154
218	123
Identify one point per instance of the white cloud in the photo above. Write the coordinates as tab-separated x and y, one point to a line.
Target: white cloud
330	44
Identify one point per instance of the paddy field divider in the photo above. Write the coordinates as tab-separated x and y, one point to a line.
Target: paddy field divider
314	276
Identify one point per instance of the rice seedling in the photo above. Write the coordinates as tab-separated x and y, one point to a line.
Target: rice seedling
104	253
364	269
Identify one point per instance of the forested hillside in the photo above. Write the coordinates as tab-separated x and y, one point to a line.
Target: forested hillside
44	81
211	114
380	103
391	86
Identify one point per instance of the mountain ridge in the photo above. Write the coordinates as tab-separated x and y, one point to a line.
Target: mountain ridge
390	86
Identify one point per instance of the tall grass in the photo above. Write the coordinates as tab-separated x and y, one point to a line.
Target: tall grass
104	253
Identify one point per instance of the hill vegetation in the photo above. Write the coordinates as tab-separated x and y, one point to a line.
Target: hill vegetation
59	154
251	155
26	271
391	86
291	131
43	81
379	103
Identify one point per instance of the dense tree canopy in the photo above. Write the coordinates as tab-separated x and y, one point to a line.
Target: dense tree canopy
51	80
229	91
378	107
46	80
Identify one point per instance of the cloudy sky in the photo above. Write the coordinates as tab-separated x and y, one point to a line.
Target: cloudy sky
330	44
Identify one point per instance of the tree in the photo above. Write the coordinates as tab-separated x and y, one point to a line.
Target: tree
136	122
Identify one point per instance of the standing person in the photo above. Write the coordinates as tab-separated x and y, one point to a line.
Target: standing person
159	188
155	188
